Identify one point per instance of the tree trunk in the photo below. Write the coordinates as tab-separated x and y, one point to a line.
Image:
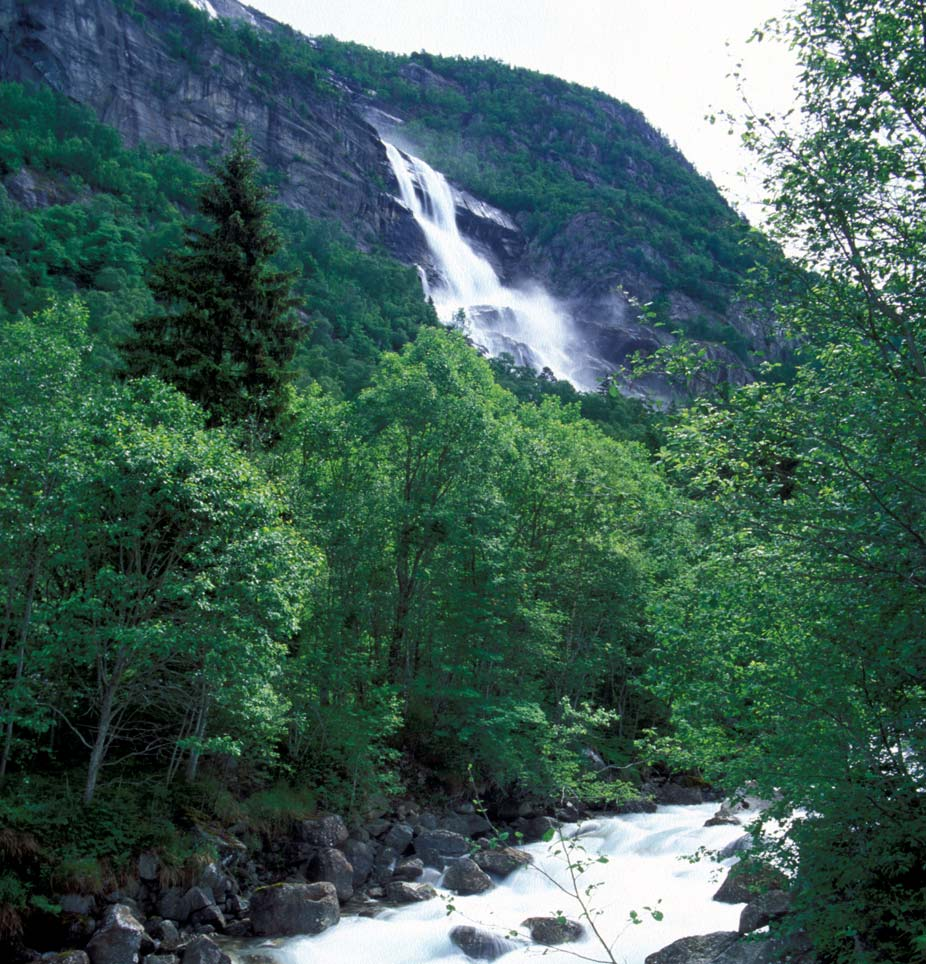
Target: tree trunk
102	741
20	662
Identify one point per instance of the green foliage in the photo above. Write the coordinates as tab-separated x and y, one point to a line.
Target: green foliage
791	647
229	333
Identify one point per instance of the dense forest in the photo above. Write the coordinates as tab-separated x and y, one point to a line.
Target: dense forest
275	542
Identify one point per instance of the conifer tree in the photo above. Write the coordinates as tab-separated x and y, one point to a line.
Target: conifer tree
228	331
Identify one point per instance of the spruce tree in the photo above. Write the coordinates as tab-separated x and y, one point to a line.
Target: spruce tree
228	331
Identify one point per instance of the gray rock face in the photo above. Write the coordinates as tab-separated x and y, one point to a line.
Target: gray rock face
502	862
465	877
743	884
480	945
324	832
123	68
148	866
76	903
736	847
167	934
283	910
331	865
119	938
161	959
466	824
763	910
201	950
402	892
68	957
437	847
553	930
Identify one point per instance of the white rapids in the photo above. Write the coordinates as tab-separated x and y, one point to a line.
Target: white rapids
646	867
527	323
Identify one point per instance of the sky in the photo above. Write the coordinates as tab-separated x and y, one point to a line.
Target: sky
670	59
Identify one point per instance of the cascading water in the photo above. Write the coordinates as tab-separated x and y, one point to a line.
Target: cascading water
528	324
646	866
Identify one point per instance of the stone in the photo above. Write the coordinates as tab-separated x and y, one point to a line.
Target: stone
409	869
703	949
119	938
636	805
723	817
202	950
742	884
536	828
239	928
331	865
464	877
362	857
763	910
553	930
283	910
210	915
196	898
437	847
167	934
402	892
502	862
399	837
465	824
170	903
148	867
736	847
479	944
236	905
215	879
674	794
67	957
76	904
330	831
161	959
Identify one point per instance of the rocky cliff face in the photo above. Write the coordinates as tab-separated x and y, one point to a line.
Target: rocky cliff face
128	68
141	68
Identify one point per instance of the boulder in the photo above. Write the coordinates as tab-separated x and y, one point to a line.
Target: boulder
76	904
535	828
398	837
170	904
402	892
480	945
210	915
723	817
465	824
148	867
704	949
196	898
119	938
736	847
362	857
743	883
67	957
553	930
409	869
325	832
161	959
437	847
674	794
202	950
464	877
763	910
636	805
239	928
502	862
283	910
167	935
331	865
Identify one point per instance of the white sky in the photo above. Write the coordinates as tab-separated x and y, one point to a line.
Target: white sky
669	58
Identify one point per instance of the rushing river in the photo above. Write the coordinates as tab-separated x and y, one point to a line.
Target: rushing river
646	865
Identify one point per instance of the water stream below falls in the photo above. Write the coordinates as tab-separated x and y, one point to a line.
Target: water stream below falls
646	866
527	323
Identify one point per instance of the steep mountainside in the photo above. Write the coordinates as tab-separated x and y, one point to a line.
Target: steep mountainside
588	199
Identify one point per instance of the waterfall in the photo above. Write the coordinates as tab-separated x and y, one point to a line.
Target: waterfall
526	323
646	866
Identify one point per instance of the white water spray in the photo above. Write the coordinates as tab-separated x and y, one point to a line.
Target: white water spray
646	867
528	324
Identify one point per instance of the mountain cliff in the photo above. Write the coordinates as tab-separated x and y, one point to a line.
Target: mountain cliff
554	183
